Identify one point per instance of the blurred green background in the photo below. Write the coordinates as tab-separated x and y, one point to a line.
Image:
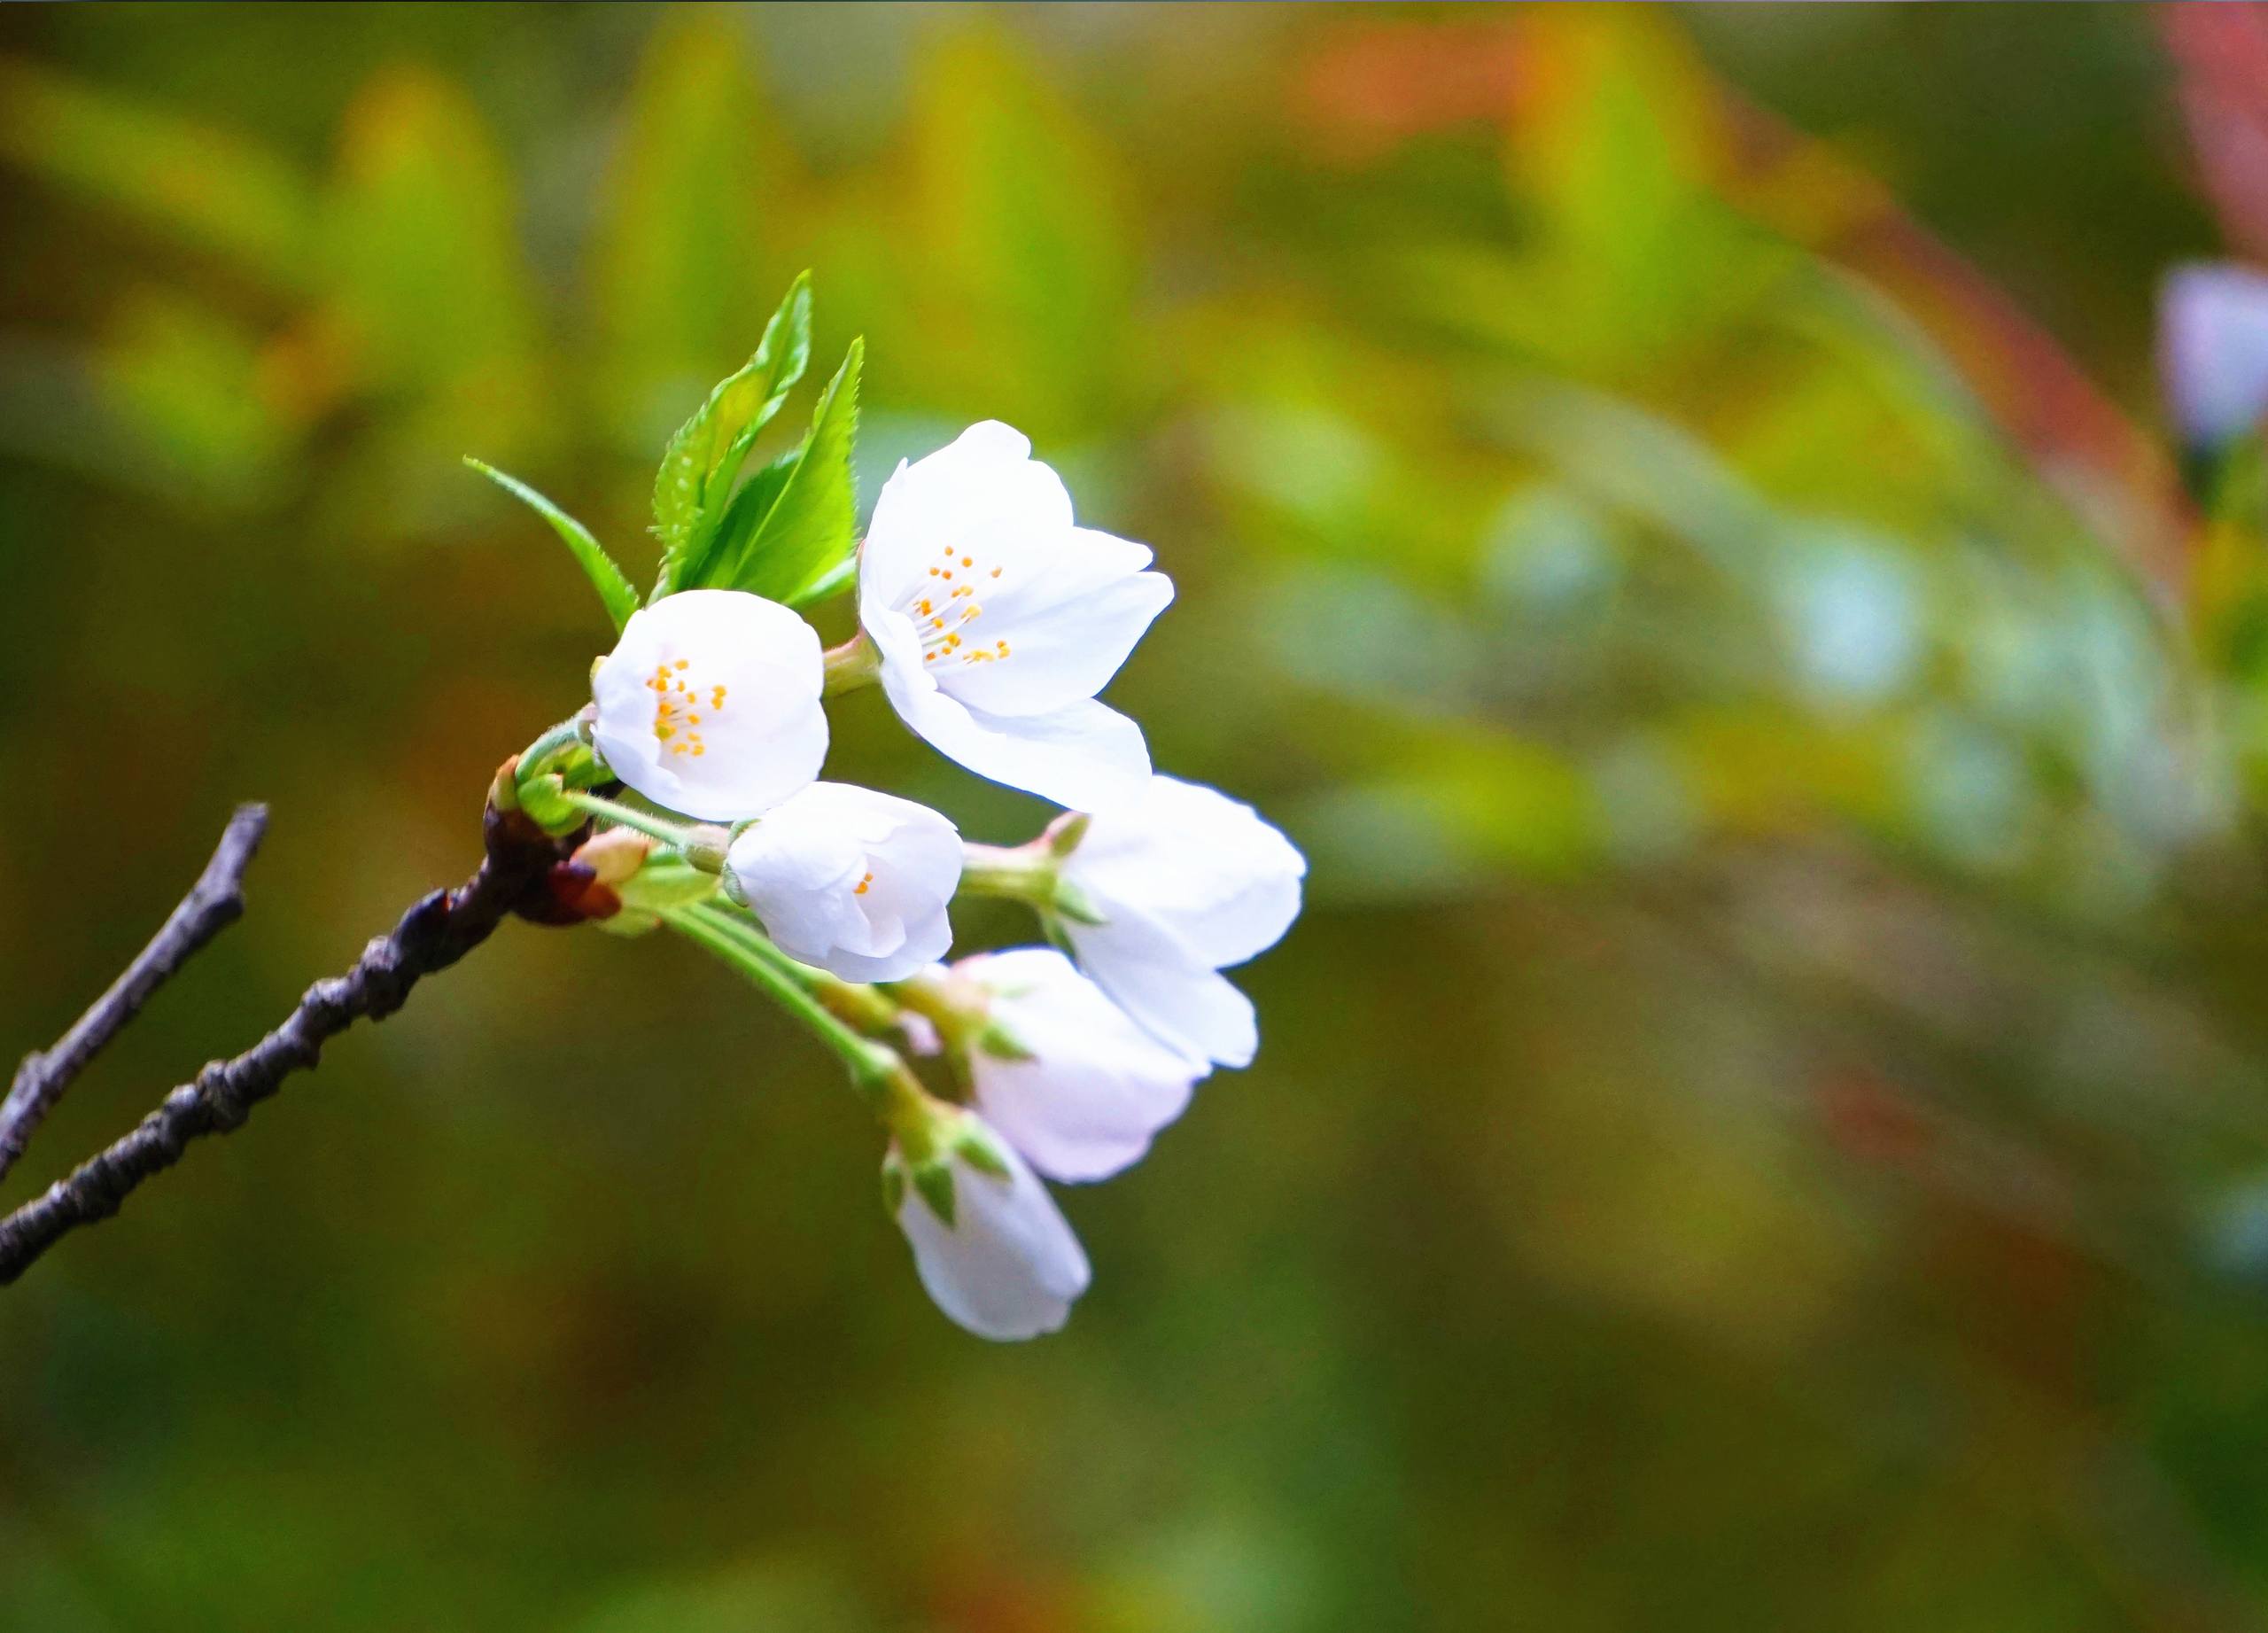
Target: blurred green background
1764	1121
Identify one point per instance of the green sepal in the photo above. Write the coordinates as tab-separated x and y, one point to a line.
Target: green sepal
693	487
975	1147
935	1182
614	589
544	800
795	522
1064	834
893	1185
995	1039
1075	904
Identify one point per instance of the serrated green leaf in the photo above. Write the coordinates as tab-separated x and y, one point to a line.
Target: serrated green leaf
796	521
606	578
753	503
837	578
694	486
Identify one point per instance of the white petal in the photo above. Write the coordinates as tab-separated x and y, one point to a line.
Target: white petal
1083	755
1008	1266
985	482
1058	653
851	881
924	942
1096	1087
1040	571
742	729
1178	999
1204	867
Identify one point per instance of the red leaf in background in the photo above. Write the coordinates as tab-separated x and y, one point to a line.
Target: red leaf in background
2221	53
1369	89
1373	89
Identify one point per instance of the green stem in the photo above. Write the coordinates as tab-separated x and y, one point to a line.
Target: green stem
875	1070
532	758
866	1008
1019	873
952	1004
858	662
628	816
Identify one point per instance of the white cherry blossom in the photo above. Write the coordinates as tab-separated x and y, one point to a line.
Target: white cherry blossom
997	620
1078	1088
1007	1265
853	881
709	703
1187	881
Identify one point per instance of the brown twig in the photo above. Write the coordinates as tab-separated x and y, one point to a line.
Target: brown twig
214	902
437	932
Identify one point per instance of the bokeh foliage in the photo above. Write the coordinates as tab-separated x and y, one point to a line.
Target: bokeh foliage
1762	1123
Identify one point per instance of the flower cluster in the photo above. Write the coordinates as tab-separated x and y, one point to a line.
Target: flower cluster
989	620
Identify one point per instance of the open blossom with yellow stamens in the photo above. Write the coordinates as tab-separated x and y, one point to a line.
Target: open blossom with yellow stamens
710	704
850	881
997	620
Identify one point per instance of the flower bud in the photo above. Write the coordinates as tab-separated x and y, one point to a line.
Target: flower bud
615	855
586	884
988	1240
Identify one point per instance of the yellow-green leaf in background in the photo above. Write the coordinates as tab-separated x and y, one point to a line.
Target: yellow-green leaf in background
1023	270
186	385
204	187
432	284
675	261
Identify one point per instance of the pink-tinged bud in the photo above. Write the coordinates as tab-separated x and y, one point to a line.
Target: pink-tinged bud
614	856
577	895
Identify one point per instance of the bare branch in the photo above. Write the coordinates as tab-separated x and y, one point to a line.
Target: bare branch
431	935
214	902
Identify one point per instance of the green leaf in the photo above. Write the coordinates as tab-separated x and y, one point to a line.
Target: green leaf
184	379
834	582
694	486
606	578
428	281
700	172
749	507
793	526
1021	236
199	185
